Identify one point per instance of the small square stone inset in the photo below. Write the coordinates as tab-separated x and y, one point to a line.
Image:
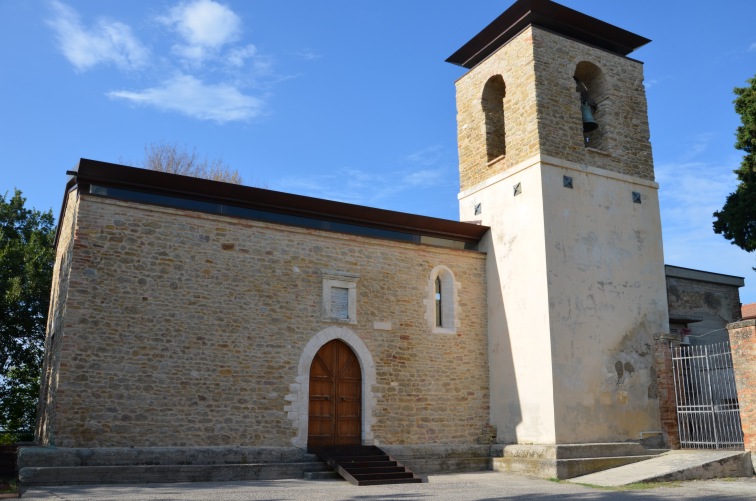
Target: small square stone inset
567	182
478	209
636	197
517	189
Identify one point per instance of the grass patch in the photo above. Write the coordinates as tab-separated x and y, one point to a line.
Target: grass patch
637	486
8	486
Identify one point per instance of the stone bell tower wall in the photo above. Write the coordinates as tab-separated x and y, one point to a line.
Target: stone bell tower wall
575	265
617	88
514	62
541	108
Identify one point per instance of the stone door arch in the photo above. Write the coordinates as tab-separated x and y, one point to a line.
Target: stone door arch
299	398
335	404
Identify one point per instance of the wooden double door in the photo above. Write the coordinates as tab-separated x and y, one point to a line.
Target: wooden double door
335	416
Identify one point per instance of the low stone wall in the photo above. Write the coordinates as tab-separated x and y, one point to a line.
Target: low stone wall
432	459
124	465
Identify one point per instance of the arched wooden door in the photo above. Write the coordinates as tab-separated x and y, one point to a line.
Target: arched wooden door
335	416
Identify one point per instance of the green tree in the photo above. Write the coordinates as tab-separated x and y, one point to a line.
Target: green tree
26	264
737	219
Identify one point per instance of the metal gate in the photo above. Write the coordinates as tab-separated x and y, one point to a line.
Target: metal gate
708	415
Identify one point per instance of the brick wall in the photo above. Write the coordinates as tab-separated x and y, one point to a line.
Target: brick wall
743	344
748	311
665	388
185	329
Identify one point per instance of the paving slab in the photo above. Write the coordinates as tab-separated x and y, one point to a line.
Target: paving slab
674	465
481	486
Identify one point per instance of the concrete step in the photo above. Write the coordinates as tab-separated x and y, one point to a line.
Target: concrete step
565	461
130	474
115	456
675	465
321	475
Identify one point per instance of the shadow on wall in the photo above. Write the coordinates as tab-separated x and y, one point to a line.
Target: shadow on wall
506	411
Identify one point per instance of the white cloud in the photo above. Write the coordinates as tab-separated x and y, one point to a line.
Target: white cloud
689	194
431	155
189	96
205	26
107	42
238	55
309	54
429	169
700	144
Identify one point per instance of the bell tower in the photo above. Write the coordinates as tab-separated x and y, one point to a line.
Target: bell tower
576	288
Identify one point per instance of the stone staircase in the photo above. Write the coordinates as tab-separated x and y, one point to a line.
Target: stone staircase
365	465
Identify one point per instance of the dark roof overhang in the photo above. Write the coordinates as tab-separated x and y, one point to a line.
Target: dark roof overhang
551	16
92	172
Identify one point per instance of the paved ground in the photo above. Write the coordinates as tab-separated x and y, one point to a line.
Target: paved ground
483	486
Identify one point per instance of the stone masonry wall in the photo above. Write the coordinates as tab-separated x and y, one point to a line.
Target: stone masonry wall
622	116
186	329
542	108
715	304
46	412
514	61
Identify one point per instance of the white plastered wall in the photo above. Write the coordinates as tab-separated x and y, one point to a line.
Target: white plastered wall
607	298
522	395
575	287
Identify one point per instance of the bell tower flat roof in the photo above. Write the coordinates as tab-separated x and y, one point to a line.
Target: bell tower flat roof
551	16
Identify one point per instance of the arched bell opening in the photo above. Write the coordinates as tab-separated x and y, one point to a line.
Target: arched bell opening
591	87
492	103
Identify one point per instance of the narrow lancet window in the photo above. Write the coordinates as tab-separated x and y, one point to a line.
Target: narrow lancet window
439	316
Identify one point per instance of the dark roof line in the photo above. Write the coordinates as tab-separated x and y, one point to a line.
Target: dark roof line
149	181
551	16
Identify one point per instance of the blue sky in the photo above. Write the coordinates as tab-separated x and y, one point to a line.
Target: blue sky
343	99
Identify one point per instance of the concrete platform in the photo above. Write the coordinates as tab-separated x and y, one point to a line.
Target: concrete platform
674	465
565	461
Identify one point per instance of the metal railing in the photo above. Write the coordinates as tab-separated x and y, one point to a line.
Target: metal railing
708	414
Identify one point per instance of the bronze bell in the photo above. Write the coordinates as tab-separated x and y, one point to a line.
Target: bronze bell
589	123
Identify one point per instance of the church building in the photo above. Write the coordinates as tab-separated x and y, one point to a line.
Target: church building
194	315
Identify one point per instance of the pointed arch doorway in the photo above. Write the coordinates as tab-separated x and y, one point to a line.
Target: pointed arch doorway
335	406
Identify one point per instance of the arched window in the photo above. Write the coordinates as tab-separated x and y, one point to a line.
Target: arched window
441	301
493	109
439	316
592	88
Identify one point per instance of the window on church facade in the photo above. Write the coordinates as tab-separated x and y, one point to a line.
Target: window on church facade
441	301
439	317
339	297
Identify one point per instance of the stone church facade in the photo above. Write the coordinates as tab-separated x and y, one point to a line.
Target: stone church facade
190	313
177	327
